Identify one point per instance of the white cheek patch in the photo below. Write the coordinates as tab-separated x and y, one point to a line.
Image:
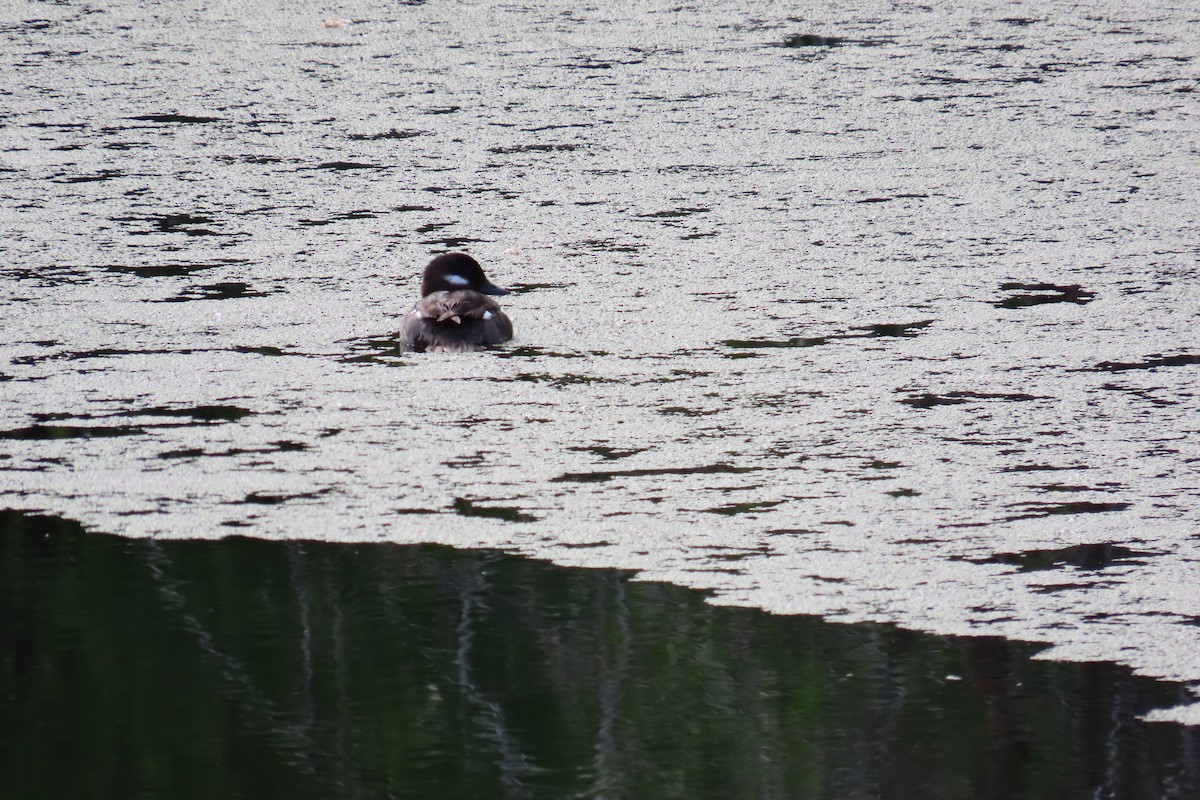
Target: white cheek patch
457	280
487	315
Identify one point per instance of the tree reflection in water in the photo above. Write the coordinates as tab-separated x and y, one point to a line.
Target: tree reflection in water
244	668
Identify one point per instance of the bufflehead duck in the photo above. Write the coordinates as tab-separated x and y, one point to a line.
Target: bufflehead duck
454	314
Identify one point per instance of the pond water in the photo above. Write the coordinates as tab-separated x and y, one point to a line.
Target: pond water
249	668
897	327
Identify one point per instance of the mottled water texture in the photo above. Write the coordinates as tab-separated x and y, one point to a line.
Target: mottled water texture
862	325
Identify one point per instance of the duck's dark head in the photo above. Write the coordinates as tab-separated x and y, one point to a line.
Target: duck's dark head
456	271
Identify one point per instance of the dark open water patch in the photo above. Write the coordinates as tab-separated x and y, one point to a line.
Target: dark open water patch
42	432
795	341
248	668
393	133
1035	510
172	270
179	119
94	177
809	40
342	165
1152	362
50	425
192	453
609	453
1036	294
902	329
732	509
190	224
605	476
532	148
927	400
1080	556
468	508
203	413
225	290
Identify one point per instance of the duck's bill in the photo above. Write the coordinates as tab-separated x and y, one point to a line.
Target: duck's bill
492	289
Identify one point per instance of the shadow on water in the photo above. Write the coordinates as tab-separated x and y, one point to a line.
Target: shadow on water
247	668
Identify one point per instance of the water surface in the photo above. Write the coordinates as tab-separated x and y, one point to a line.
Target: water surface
247	668
845	328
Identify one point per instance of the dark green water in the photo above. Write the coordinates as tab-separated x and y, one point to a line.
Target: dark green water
246	668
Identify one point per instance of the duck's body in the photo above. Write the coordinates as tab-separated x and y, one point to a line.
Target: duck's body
455	314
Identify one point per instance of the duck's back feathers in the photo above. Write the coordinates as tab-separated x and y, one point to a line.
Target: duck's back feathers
454	322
